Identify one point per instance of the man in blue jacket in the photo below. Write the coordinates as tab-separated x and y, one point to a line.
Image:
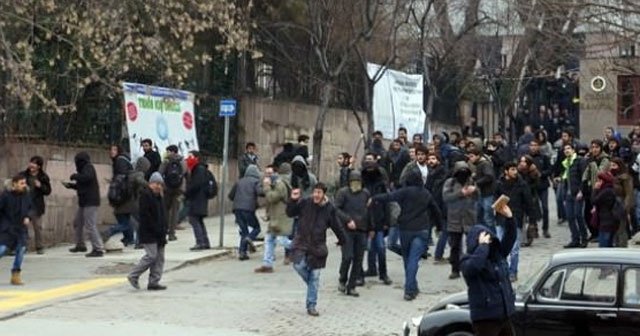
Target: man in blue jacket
485	270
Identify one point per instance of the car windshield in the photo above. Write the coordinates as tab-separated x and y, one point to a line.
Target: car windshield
531	281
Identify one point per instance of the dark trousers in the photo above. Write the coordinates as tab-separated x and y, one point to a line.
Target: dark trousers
493	328
543	198
587	215
455	243
199	231
377	253
246	220
352	254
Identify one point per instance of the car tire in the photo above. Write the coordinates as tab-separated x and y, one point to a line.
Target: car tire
460	333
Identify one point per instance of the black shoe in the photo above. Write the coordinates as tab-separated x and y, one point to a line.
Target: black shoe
313	312
385	280
251	246
409	297
440	261
360	282
546	234
156	287
78	248
370	273
454	275
94	253
243	257
40	251
426	255
572	245
172	237
134	282
342	288
352	292
584	244
197	248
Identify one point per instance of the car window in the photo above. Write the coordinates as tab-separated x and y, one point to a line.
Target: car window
596	284
632	287
551	288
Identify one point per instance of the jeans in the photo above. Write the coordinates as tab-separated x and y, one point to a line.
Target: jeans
485	212
377	252
543	197
199	231
560	195
246	219
393	239
270	242
20	250
414	243
514	256
574	212
311	277
605	239
123	225
352	253
442	243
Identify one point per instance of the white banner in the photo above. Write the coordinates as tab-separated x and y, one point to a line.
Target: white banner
163	115
397	102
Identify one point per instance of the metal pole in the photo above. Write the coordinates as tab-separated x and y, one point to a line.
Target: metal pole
225	170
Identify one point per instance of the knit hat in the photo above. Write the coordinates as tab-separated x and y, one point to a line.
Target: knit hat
156	178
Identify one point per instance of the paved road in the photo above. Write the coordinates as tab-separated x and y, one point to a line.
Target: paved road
225	297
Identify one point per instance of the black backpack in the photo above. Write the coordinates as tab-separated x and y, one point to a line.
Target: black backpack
211	189
119	190
173	174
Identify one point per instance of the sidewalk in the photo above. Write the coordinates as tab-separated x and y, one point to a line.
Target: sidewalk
58	269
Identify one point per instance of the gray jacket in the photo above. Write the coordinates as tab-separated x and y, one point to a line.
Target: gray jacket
461	210
245	192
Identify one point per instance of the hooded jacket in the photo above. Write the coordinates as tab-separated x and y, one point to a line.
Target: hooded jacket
153	218
486	273
14	208
604	199
419	210
461	210
484	177
38	194
594	167
301	177
245	192
195	191
276	196
310	241
86	179
154	160
352	206
374	180
245	161
137	182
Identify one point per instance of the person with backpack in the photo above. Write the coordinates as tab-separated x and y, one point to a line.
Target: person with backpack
120	196
201	186
244	196
173	170
276	193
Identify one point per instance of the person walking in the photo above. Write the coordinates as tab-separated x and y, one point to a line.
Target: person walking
460	196
152	155
40	186
316	214
122	173
485	271
196	195
174	173
351	206
152	234
85	182
244	196
15	212
276	194
543	163
485	180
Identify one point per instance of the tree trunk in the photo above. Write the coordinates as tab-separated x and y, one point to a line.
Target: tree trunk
325	98
429	110
368	101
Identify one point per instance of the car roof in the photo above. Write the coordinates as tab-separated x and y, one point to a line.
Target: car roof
597	255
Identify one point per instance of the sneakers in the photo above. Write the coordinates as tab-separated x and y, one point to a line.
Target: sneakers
172	237
342	288
385	280
134	282
360	282
410	297
572	245
264	269
94	254
78	248
352	292
199	248
454	275
546	234
156	287
243	257
312	312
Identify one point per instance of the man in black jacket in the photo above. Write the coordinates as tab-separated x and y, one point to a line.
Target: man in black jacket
316	214
351	206
40	186
435	181
197	198
374	180
88	190
419	212
152	234
543	163
152	155
15	207
485	180
571	179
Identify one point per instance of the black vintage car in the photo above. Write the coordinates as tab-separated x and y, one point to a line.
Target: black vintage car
578	293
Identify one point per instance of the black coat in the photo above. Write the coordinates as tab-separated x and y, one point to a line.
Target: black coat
373	179
86	179
520	199
604	200
195	193
353	206
38	194
310	241
484	177
14	208
543	163
435	183
155	160
153	219
121	165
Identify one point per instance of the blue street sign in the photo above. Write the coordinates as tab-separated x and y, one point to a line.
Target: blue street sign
227	108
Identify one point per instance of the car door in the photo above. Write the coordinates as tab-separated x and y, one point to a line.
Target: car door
577	300
629	315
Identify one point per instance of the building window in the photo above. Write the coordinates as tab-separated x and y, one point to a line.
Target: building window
628	50
628	100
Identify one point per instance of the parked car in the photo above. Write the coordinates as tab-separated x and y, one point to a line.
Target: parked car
583	292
